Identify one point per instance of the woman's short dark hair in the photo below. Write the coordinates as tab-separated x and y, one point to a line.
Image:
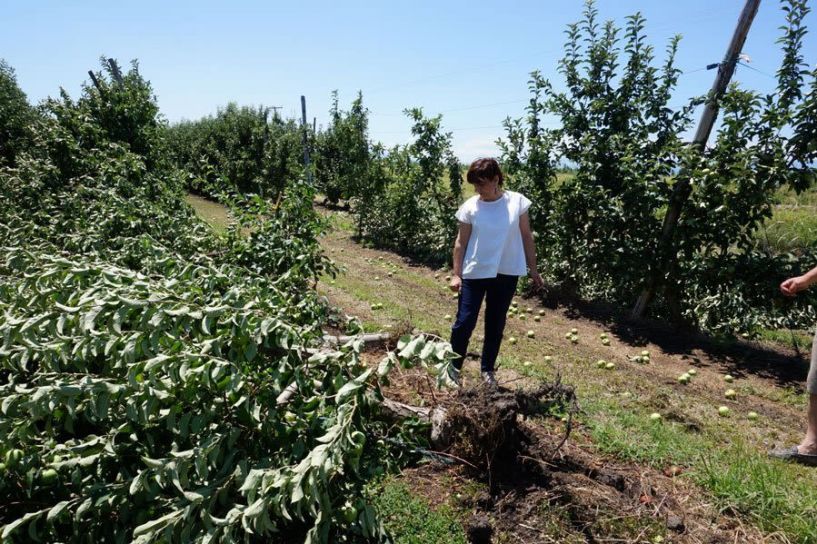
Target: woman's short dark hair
484	169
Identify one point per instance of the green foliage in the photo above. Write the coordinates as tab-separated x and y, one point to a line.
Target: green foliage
16	116
405	208
599	231
342	153
159	383
240	149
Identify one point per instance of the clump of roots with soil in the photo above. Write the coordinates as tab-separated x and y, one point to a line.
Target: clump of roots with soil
536	486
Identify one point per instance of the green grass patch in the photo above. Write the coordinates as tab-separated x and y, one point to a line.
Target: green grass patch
343	222
370	292
797	339
790	229
214	214
773	495
410	519
788	197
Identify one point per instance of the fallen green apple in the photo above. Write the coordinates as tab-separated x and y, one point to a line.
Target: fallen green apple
13	457
537	318
541	312
48	476
548	359
655	416
728	378
610	366
752	416
723	411
601	363
692	371
447	317
531	334
730	394
512	340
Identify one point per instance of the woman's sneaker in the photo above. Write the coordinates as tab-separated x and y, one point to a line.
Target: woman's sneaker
455	377
489	378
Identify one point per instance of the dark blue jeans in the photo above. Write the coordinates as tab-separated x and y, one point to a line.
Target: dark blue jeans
497	293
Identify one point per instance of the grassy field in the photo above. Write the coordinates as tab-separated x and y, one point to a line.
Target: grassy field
722	459
213	213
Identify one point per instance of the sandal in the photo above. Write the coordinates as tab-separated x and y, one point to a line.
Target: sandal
793	454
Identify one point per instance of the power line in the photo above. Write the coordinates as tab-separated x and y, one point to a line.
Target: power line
685	72
458	72
756	70
457	129
476	107
703	15
408	130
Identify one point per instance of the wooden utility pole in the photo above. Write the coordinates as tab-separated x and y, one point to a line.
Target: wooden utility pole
305	140
96	83
117	75
682	189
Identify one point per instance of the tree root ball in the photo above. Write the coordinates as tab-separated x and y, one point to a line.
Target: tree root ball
480	425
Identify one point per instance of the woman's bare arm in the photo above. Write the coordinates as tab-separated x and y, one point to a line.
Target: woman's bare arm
792	286
530	250
460	244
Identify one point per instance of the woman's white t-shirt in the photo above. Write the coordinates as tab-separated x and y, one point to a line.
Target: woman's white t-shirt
495	246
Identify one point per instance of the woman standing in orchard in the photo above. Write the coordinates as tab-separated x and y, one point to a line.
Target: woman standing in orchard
493	248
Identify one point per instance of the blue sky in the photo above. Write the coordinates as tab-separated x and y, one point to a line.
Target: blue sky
469	61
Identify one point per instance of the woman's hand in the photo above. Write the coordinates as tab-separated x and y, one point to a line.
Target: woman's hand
538	282
792	286
456	283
